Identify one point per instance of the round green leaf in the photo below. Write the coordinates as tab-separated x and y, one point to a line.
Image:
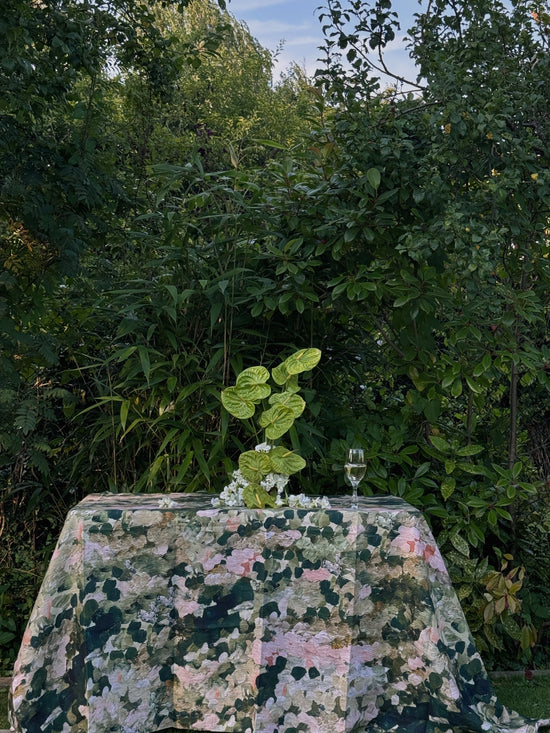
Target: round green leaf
302	361
251	383
286	461
280	374
256	497
237	404
292	384
293	401
276	421
254	465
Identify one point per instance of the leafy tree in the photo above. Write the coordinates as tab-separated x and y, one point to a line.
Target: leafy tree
451	242
62	193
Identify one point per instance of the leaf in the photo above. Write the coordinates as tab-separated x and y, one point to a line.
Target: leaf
456	389
516	470
251	383
472	468
123	354
460	544
473	385
511	627
288	399
302	361
292	384
489	630
440	443
6	637
464	591
469	450
373	177
447	487
286	461
254	465
527	638
124	407
422	469
280	374
450	465
235	403
25	417
145	361
256	497
276	421
269	144
432	410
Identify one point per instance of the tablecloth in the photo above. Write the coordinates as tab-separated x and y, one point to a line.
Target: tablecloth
162	611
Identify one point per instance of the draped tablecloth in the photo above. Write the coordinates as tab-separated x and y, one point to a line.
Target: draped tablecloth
162	611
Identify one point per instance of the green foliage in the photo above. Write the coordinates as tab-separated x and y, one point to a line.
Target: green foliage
279	411
451	252
528	697
164	222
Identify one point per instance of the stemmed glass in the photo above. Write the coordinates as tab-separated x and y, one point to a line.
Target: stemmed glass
355	468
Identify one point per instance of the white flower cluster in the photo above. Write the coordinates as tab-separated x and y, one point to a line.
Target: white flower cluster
166	503
302	501
232	494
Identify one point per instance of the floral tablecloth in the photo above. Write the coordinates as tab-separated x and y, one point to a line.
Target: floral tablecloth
162	611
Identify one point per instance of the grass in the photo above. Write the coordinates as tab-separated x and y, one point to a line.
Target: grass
3	709
528	697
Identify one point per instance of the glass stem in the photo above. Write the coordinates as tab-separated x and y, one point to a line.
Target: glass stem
354	495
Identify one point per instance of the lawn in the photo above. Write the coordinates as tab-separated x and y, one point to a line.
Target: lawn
531	698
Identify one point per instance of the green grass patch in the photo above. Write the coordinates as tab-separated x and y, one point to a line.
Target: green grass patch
4	709
528	697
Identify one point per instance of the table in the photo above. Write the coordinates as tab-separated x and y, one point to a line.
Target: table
162	611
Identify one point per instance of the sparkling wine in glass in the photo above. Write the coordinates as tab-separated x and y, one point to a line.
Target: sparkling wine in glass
355	468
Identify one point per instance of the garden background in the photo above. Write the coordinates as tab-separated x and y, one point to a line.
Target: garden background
169	216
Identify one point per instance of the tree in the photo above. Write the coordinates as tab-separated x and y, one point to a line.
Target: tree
444	209
62	193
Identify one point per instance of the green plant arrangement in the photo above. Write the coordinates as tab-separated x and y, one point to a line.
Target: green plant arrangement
263	473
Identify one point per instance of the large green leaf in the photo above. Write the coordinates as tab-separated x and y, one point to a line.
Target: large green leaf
280	374
286	461
302	361
276	421
251	383
256	497
254	465
288	399
237	404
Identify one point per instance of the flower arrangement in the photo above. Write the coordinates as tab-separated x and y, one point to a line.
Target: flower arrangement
263	473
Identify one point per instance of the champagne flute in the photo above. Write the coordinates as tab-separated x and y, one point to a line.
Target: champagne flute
355	468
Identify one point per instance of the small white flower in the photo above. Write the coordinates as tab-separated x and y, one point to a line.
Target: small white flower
232	494
166	503
263	447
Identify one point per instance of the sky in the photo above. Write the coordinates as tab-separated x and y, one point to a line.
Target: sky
295	23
